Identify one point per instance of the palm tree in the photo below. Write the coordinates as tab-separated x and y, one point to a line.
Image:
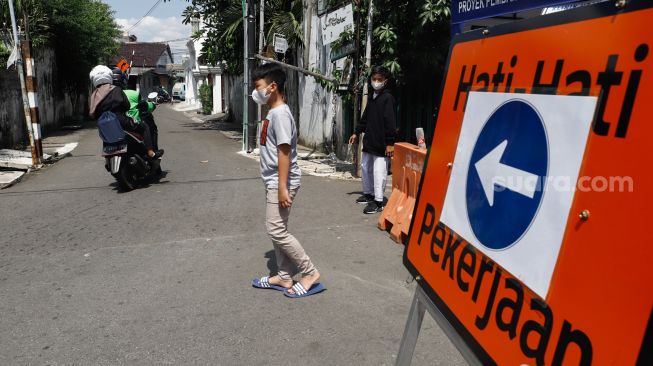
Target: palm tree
286	19
223	30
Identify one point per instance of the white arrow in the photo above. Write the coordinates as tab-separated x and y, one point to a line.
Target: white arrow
492	172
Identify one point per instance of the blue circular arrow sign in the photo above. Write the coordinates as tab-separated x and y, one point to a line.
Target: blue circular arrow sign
506	175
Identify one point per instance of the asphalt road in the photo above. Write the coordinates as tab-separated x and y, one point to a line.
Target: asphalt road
161	275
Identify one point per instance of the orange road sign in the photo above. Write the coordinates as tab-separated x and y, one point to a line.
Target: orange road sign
123	65
530	232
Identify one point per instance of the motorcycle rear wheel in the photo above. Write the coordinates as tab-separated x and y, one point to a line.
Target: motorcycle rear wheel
127	181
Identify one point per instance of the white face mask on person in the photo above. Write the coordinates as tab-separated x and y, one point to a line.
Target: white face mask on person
378	85
261	96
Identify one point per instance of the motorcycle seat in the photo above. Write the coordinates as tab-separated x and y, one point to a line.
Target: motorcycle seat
135	135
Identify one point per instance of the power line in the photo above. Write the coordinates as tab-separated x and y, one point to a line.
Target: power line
146	14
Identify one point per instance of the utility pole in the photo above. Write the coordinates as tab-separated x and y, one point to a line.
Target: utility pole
32	88
309	28
251	65
368	50
32	96
357	106
36	160
261	44
246	79
368	64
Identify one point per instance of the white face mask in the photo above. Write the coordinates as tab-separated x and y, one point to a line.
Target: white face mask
378	85
260	96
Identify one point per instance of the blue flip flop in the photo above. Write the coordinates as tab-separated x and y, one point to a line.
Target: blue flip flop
264	282
300	291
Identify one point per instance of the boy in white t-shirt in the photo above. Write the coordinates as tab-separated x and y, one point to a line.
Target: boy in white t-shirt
281	175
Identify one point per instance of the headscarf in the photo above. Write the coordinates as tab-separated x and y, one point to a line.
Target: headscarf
98	96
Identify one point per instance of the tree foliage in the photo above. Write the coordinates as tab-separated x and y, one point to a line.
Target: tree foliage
82	33
206	98
85	36
223	27
409	32
409	36
37	20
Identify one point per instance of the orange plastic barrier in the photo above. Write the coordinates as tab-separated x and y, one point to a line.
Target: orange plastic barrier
407	165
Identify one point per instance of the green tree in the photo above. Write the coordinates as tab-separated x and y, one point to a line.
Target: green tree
223	27
82	33
412	39
412	33
37	20
206	98
85	34
4	55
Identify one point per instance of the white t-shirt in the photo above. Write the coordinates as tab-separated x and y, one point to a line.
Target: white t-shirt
278	129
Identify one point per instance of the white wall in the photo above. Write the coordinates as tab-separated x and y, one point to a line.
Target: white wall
217	94
192	95
315	103
194	80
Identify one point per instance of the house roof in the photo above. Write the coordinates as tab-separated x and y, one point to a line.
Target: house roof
145	54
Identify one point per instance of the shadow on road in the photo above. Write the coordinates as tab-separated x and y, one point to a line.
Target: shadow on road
114	184
272	262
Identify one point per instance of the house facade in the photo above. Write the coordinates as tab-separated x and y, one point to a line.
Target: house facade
150	65
198	74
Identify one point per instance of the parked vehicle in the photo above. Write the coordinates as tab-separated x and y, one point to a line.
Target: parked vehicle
126	156
163	96
152	97
179	91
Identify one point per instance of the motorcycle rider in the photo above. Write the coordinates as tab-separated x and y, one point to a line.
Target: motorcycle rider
141	112
109	96
118	80
162	95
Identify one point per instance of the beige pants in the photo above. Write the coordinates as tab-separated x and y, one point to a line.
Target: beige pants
291	257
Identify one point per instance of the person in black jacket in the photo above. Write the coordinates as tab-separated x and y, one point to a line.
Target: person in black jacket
379	125
109	96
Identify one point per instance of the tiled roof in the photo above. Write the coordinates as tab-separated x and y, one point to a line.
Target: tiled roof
144	54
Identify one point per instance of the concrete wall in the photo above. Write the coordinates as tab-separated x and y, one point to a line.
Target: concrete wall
234	97
56	105
12	123
316	105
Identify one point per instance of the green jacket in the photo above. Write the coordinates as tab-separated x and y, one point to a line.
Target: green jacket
134	97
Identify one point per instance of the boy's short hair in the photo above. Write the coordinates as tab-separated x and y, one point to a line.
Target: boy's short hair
381	70
271	73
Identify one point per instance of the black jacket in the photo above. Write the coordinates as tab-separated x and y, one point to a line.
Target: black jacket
116	101
378	123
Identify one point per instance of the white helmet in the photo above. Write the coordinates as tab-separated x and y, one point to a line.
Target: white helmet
100	75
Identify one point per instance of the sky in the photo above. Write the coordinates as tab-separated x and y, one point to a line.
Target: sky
162	24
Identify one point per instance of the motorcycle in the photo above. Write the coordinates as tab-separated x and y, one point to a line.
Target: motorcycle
159	97
126	155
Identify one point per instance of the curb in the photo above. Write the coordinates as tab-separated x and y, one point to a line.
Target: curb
9	178
313	168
